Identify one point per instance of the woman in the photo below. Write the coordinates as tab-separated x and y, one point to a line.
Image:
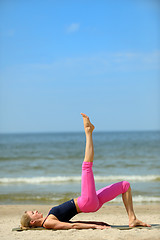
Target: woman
89	201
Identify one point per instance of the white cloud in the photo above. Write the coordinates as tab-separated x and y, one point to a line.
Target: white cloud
106	62
74	27
91	66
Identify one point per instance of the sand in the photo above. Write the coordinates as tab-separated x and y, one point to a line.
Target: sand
116	215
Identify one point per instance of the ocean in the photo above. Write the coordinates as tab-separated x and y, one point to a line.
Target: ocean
45	168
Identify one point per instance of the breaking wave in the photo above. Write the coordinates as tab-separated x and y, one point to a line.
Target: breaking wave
65	179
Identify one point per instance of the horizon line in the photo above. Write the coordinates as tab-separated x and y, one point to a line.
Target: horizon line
99	131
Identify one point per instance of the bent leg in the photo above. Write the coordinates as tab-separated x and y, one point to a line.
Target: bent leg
110	192
128	203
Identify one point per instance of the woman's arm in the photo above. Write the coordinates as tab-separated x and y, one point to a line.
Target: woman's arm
92	222
87	226
57	225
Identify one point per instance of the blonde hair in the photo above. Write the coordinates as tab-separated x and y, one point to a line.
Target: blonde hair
25	221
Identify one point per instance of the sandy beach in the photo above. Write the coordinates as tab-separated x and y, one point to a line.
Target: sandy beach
114	215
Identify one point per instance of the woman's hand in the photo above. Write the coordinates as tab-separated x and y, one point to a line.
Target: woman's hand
101	226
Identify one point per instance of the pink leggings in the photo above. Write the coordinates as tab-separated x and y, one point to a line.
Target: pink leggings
92	200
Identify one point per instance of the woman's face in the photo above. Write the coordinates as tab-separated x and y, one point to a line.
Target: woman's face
34	215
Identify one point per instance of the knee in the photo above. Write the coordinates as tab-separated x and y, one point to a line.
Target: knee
125	186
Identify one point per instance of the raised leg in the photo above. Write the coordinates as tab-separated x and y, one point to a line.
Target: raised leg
88	201
88	128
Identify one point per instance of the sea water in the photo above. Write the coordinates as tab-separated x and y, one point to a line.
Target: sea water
45	168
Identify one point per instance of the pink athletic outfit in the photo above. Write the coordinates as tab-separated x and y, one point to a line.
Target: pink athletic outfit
92	200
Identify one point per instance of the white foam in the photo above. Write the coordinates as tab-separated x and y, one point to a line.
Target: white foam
133	178
65	179
38	180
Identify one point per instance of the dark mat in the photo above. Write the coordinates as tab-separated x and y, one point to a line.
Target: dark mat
120	227
126	227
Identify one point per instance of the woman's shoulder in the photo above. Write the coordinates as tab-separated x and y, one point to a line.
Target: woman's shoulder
50	220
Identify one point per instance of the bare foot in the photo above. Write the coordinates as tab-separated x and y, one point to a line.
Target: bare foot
88	126
137	222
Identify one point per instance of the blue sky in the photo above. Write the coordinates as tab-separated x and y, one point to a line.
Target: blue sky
60	58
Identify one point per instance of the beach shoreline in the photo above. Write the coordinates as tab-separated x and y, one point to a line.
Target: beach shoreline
111	214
